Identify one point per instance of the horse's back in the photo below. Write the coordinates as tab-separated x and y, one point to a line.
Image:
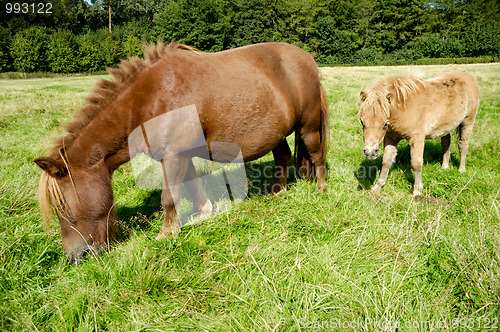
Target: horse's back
283	65
252	96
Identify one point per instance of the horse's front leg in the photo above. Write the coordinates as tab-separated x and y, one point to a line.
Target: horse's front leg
193	186
390	152
174	171
417	161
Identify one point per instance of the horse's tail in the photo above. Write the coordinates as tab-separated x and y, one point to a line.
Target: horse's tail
303	162
324	123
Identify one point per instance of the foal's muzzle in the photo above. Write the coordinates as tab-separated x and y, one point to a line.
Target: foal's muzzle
79	254
371	154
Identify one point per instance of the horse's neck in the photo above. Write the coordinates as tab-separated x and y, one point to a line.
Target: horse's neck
103	139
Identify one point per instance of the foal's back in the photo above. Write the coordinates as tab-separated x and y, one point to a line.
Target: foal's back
444	103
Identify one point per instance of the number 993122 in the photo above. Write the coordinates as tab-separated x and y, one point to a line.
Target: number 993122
28	8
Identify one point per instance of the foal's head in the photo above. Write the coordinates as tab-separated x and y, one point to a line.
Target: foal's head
374	117
82	198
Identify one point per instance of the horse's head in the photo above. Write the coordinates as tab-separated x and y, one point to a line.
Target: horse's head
374	117
82	198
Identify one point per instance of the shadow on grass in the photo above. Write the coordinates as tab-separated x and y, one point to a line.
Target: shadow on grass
369	170
141	217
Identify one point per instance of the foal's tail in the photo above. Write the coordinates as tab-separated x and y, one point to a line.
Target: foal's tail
303	161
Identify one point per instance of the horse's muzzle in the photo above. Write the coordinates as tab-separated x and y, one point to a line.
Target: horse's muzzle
79	254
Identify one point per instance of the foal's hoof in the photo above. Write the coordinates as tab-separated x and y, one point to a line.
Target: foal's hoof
417	193
462	169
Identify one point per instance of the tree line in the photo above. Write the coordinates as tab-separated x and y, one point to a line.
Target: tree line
75	36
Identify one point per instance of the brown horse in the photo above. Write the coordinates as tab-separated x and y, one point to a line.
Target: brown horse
251	97
415	109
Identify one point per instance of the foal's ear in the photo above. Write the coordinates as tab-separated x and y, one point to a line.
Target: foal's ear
55	168
363	96
389	97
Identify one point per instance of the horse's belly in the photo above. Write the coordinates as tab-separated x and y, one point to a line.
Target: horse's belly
254	134
227	149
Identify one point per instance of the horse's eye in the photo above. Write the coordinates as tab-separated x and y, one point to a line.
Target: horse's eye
361	122
385	125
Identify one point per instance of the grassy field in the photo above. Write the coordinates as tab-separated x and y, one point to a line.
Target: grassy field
346	258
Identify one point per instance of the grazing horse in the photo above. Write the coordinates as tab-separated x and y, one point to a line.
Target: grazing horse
250	97
415	109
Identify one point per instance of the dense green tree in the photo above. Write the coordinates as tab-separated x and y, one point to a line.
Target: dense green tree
253	21
5	40
296	21
110	49
483	39
204	24
29	49
88	53
395	23
61	14
132	47
338	31
61	52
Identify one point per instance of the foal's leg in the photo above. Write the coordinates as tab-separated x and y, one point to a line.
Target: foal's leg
417	161
465	129
312	142
282	156
390	152
193	186
176	168
445	144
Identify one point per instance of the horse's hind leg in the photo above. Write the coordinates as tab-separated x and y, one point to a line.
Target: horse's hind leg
464	131
445	144
282	156
314	147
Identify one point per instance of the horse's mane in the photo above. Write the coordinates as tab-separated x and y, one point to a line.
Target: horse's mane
104	93
400	88
107	90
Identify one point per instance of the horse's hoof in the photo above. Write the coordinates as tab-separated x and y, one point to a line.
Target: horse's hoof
168	231
462	169
277	189
160	236
206	210
275	193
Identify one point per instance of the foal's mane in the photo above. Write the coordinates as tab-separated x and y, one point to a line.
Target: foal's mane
399	87
106	91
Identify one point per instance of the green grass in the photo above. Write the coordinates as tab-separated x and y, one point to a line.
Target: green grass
273	262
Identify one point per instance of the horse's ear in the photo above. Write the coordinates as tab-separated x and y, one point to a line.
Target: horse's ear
389	97
53	167
363	96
